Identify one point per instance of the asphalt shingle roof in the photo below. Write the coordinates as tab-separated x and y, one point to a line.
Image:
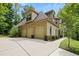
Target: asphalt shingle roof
40	16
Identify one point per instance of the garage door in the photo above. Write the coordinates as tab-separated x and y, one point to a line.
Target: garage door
39	32
29	32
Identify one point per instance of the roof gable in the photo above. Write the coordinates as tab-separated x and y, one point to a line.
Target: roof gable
22	22
50	12
41	16
32	11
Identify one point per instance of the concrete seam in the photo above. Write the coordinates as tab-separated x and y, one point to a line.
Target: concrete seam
22	48
52	51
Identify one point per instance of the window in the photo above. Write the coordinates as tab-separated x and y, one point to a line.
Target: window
56	22
50	30
28	17
56	31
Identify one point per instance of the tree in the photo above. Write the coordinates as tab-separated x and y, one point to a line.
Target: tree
27	8
14	32
6	17
70	16
17	17
62	29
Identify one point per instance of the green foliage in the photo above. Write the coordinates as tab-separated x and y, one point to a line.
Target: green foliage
4	27
17	19
16	13
14	32
27	8
6	17
70	16
1	36
74	45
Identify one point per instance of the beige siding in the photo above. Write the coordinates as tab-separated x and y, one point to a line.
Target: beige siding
23	31
33	15
54	29
38	29
29	32
40	32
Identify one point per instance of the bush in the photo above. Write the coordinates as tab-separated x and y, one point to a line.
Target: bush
51	38
14	32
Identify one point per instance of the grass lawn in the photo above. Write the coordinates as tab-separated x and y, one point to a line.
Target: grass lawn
74	46
3	36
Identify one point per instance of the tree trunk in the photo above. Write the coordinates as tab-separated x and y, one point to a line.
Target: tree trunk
68	42
63	33
77	35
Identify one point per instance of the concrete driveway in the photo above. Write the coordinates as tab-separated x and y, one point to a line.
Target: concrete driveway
62	52
27	47
10	48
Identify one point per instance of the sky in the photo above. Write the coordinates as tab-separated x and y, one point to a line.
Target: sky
46	6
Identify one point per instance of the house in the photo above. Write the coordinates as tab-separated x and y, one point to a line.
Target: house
39	25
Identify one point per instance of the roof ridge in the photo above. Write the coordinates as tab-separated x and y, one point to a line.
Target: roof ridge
50	11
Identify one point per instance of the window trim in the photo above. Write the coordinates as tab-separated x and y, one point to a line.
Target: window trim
50	30
29	17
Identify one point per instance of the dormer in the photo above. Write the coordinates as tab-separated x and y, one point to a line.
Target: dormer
50	14
58	21
31	14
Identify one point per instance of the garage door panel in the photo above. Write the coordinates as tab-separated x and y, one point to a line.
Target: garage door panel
39	32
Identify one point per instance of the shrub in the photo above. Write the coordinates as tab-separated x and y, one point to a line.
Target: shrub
49	38
14	32
53	37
